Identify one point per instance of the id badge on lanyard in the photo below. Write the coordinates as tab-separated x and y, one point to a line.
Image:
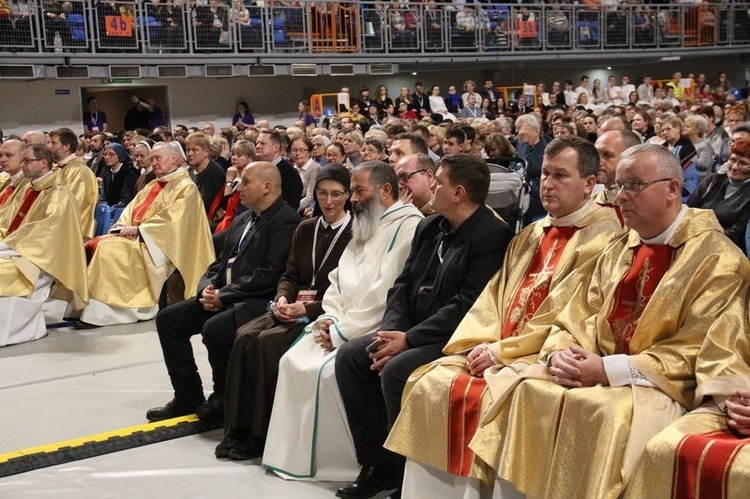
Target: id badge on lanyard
230	264
306	295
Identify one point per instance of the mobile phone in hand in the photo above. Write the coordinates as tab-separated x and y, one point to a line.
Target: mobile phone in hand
376	345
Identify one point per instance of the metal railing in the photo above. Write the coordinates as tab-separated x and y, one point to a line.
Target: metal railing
320	27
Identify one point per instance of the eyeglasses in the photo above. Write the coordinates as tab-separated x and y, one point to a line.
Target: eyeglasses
634	187
404	177
334	195
736	162
26	161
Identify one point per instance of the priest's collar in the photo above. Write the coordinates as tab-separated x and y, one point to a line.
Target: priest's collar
170	176
36	181
338	223
16	177
665	236
66	160
572	218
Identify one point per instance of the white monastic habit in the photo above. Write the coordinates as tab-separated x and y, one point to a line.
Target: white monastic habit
309	436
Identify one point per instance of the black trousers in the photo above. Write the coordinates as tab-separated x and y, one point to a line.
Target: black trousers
177	323
373	401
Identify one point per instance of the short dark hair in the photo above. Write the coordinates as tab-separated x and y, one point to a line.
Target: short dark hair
420	129
42	152
67	137
470	172
418	144
588	156
277	137
381	173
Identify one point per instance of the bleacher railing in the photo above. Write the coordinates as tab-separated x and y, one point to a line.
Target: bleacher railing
327	26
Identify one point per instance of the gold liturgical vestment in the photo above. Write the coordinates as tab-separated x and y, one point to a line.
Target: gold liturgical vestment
698	455
11	194
585	442
122	272
608	199
430	428
82	183
48	239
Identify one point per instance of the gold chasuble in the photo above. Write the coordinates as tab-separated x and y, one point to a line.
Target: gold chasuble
171	220
443	404
45	231
608	199
10	197
585	442
699	456
81	181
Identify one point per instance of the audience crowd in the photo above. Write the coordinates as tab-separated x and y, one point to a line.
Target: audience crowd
368	312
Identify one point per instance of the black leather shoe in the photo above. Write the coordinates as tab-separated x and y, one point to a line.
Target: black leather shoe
232	439
248	449
371	480
79	324
173	409
212	410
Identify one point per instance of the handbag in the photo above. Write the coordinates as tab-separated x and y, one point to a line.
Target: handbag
224	37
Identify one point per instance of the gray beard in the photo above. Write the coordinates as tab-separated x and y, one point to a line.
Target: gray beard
366	222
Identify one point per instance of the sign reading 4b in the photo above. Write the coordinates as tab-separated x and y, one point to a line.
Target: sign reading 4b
119	26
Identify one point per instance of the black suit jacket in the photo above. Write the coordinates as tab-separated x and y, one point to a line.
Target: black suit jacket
291	183
471	256
260	263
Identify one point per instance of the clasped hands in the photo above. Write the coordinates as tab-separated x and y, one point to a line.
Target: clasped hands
130	232
288	312
575	367
395	344
210	299
738	412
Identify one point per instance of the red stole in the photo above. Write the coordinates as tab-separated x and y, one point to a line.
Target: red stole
534	287
137	217
703	462
6	194
463	416
650	263
140	210
28	201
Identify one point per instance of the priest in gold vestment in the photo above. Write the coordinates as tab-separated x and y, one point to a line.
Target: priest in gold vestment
621	356
610	145
707	451
40	244
508	322
12	180
162	229
74	173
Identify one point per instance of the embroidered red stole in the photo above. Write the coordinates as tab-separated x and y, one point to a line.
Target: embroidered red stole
650	263
5	195
140	210
703	462
534	287
463	416
137	217
26	204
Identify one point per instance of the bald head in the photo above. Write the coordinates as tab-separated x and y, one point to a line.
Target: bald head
10	156
260	186
34	137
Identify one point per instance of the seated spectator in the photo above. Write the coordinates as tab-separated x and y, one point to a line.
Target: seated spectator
233	291
683	149
641	124
271	146
610	145
243	153
695	130
40	244
151	240
335	153
119	178
352	141
472	109
372	150
728	194
218	150
307	168
469	88
207	174
307	436
142	158
453	255
317	246
416	175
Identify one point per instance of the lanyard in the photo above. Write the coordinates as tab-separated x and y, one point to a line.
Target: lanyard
330	247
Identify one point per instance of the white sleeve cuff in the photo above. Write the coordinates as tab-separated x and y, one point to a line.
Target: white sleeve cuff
621	372
157	255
